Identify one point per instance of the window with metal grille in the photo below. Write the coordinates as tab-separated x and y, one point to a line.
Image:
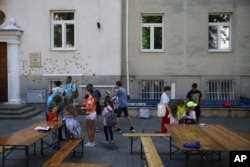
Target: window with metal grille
151	89
221	90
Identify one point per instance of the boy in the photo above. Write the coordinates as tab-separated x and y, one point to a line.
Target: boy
190	116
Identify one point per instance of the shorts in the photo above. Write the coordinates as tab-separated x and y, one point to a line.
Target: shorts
91	116
120	110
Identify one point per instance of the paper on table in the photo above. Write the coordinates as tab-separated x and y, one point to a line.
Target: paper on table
203	124
42	128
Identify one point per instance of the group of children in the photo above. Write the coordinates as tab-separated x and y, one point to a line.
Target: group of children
183	113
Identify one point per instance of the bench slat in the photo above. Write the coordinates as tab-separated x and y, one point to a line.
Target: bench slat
146	134
152	156
83	165
60	155
245	135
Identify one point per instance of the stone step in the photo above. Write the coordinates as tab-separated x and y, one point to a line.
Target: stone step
25	115
18	111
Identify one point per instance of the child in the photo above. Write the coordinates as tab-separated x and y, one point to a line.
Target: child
107	97
53	116
189	116
181	108
109	108
174	115
69	111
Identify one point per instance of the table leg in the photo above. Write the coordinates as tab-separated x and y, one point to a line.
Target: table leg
170	146
141	150
41	146
3	157
187	158
27	156
131	145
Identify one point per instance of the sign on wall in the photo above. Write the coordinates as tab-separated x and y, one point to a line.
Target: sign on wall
35	60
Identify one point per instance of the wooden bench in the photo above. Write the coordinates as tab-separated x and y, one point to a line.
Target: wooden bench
151	154
132	135
82	165
245	135
60	155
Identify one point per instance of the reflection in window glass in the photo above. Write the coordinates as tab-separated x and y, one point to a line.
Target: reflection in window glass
64	16
224	38
158	38
146	38
219	18
63	30
219	32
57	36
213	37
70	36
151	19
152	33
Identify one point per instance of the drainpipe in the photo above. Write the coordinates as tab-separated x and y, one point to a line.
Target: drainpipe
127	70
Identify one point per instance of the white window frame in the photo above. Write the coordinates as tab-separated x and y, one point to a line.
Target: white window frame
152	26
219	24
63	23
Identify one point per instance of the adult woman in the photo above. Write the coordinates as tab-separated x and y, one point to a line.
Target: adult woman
90	107
165	100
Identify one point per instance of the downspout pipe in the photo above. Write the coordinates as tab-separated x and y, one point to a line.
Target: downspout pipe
127	66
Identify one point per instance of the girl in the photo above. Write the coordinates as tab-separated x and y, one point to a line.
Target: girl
174	115
90	107
107	128
181	108
165	100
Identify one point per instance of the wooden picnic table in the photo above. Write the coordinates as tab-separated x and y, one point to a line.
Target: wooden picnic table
213	138
26	137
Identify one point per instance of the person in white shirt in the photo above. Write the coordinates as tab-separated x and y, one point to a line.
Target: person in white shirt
190	116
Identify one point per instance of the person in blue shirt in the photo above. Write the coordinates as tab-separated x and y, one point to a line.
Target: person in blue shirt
121	93
69	89
55	100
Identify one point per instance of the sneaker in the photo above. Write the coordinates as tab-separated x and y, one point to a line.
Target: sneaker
106	142
92	144
96	130
112	142
132	129
118	130
89	144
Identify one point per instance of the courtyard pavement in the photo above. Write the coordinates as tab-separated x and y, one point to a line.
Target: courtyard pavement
118	154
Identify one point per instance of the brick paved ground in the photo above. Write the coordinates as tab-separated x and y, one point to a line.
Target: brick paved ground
119	154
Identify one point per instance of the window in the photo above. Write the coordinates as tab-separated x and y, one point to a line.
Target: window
63	30
152	34
219	32
221	90
151	89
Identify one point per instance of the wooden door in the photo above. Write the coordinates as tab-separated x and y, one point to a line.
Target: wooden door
3	73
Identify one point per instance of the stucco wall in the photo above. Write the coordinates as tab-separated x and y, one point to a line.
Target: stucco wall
186	58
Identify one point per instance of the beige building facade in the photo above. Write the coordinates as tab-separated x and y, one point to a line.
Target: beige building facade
146	44
206	42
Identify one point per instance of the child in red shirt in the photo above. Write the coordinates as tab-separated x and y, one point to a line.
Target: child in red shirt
53	116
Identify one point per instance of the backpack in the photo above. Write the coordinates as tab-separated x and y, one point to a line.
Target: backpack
75	94
73	129
111	118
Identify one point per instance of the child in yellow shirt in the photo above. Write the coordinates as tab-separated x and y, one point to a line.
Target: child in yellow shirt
181	109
